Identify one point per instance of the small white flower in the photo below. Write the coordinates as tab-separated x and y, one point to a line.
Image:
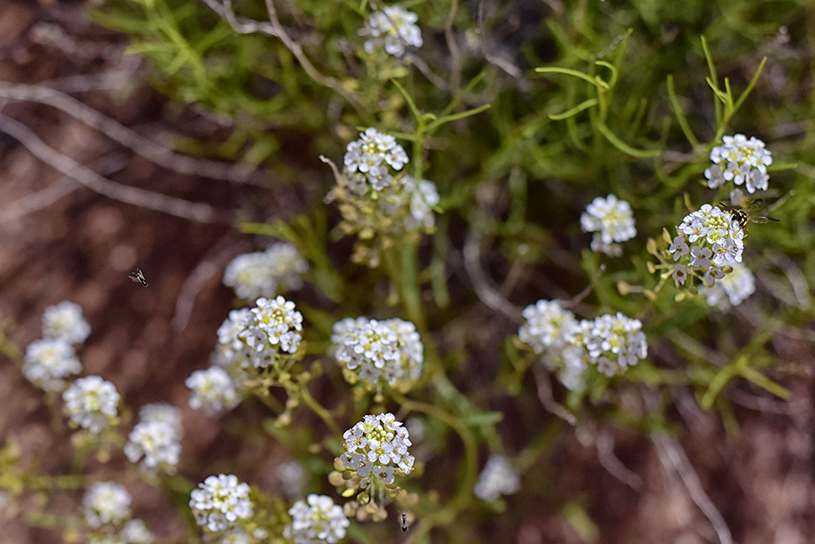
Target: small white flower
715	273
65	321
49	361
220	501
317	519
700	257
497	478
736	286
92	403
678	248
213	390
106	503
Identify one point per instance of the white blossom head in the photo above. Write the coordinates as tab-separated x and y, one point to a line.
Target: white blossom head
376	448
371	350
315	520
393	29
547	326
156	444
742	161
497	478
370	158
49	361
213	390
612	342
106	503
92	403
65	321
733	289
707	240
568	347
264	274
220	501
612	221
135	531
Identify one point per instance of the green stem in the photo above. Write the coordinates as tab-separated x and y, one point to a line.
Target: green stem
318	408
462	497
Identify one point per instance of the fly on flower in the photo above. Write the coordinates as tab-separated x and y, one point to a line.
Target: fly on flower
138	277
741	216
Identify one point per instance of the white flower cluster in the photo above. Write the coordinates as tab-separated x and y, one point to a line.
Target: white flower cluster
736	286
368	158
156	438
213	390
263	273
49	361
741	161
255	337
611	342
318	521
716	241
611	220
547	326
135	531
92	403
106	503
65	321
376	447
372	349
220	501
393	28
498	477
411	200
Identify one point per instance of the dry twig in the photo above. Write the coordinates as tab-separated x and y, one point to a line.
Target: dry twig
62	187
672	456
275	29
194	211
125	136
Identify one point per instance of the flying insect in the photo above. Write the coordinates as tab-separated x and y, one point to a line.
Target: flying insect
741	216
404	522
138	277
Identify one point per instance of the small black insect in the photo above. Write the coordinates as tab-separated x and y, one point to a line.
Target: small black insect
404	522
138	277
741	216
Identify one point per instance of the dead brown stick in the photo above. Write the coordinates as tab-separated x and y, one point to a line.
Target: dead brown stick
115	131
194	211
